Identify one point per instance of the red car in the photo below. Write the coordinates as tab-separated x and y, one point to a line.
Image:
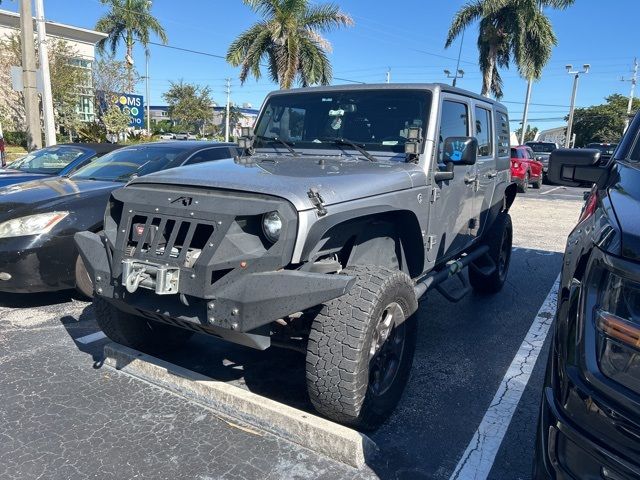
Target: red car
525	169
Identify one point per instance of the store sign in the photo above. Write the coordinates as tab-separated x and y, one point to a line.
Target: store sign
132	105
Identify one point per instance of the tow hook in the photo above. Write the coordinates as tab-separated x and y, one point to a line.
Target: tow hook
163	279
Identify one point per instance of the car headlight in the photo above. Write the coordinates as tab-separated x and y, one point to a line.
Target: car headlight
515	165
271	226
31	224
617	318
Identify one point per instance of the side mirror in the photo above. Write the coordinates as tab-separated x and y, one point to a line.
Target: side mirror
576	167
460	150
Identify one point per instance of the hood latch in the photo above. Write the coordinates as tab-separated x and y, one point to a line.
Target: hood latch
317	201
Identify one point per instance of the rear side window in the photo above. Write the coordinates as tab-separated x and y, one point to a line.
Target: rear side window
454	122
502	127
516	153
209	155
483	132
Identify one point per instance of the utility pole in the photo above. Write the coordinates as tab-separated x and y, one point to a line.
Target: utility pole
30	91
634	81
146	79
228	90
576	76
47	97
389	75
525	114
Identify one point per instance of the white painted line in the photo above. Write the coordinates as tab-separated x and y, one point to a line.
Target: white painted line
552	190
94	337
478	458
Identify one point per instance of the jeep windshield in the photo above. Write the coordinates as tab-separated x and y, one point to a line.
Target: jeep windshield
122	165
374	120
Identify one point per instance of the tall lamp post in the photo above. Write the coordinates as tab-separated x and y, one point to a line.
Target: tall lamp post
459	74
576	76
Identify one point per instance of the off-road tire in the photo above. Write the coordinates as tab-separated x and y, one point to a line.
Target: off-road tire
500	232
340	374
137	332
84	285
525	184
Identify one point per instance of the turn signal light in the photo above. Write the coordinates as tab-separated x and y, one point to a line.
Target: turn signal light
619	329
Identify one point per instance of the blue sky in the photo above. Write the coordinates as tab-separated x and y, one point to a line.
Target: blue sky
406	36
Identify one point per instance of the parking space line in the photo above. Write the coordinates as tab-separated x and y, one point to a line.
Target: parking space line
478	458
94	337
552	190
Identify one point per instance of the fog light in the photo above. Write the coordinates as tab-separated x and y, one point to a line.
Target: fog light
271	226
4	276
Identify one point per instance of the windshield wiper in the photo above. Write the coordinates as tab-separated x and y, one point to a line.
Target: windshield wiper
286	144
359	148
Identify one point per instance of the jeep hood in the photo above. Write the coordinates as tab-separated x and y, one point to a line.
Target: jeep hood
337	179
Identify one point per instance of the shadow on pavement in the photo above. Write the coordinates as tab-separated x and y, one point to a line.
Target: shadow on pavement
30	300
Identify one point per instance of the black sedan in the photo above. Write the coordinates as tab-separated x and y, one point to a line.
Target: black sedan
39	218
58	160
589	425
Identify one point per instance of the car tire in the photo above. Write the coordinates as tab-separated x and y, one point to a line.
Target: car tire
137	332
361	347
537	185
84	284
525	184
499	239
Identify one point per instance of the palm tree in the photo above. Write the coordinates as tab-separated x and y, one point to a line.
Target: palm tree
508	29
289	40
129	21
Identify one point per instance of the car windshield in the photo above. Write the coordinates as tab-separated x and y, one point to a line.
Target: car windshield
373	119
121	165
49	160
542	147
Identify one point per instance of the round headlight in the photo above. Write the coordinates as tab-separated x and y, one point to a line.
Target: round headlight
271	226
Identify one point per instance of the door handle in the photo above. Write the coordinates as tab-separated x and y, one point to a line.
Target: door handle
492	174
470	179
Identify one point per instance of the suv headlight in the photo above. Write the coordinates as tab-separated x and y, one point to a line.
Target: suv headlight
31	224
617	318
271	226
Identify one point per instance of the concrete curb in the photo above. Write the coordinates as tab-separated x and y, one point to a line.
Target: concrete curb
310	431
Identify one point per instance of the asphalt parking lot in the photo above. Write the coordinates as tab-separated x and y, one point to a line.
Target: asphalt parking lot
465	414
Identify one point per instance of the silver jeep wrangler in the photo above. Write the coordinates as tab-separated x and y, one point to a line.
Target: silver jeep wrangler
348	204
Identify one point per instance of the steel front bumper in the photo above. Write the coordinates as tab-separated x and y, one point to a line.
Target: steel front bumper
37	263
250	301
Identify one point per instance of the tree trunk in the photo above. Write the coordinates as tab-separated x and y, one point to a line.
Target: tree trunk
487	74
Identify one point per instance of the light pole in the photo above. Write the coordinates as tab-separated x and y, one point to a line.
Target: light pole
146	79
31	107
47	97
525	114
634	81
576	76
459	74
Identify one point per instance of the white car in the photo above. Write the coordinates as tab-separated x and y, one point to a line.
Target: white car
185	136
167	136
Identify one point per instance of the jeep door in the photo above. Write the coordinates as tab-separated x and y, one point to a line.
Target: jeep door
454	199
486	172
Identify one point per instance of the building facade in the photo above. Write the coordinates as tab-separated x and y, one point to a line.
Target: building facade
80	40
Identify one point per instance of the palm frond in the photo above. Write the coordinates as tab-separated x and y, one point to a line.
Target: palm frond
464	18
325	17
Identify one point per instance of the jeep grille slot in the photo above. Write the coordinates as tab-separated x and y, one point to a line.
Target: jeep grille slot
162	238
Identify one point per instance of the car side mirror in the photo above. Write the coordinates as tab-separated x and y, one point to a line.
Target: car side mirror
576	167
460	150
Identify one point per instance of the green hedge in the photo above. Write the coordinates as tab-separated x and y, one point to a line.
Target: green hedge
16	138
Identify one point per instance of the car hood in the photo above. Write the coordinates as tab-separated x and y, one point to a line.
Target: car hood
625	198
59	193
337	179
10	176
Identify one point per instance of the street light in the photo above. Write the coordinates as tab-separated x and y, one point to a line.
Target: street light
576	75
459	74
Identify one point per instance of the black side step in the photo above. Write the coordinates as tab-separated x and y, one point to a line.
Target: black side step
456	295
453	268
